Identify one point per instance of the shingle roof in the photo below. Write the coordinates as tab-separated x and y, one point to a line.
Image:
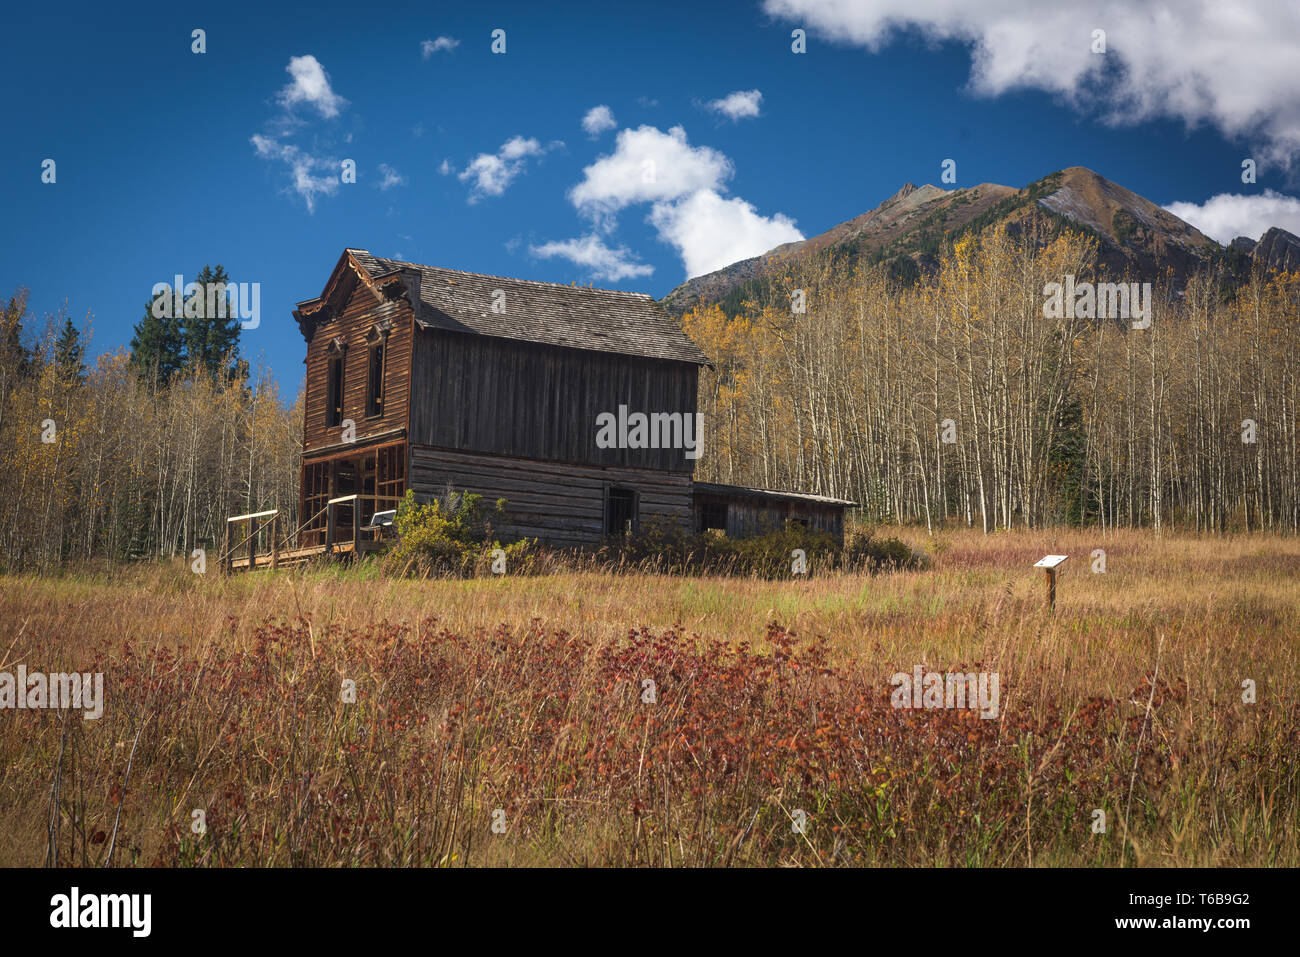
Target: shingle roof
743	491
576	317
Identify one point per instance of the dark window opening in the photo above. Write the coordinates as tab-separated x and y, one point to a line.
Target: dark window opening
334	411
713	515
315	493
620	511
368	487
378	476
391	477
375	381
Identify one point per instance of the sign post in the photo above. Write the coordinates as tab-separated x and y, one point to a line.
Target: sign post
1049	564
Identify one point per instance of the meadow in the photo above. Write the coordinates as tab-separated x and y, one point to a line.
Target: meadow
333	716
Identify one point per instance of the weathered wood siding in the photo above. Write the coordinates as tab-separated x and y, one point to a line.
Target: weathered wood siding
361	310
485	394
754	516
563	504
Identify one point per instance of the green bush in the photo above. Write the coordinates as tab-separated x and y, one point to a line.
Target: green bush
452	535
669	548
865	552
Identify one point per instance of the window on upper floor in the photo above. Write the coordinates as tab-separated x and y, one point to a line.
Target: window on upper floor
375	379
334	392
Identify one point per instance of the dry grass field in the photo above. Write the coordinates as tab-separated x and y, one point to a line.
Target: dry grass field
506	721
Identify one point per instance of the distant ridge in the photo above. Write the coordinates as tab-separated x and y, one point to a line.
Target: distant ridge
908	230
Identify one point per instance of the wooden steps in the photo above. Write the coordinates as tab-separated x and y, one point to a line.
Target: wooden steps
300	556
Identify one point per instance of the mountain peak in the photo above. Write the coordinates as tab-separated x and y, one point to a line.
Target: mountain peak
1278	250
907	232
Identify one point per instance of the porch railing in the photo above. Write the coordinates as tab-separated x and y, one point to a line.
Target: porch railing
343	528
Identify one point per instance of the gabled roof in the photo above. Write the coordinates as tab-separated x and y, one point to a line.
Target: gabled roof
574	317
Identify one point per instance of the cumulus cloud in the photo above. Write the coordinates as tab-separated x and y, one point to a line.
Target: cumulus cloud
599	260
1225	217
389	177
1183	61
310	85
648	165
312	173
598	120
310	176
738	105
490	174
443	44
684	185
445	168
711	231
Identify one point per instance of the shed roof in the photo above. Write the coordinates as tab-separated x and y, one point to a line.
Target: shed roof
575	317
743	491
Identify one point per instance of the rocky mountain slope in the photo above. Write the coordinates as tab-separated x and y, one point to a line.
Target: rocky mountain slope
908	230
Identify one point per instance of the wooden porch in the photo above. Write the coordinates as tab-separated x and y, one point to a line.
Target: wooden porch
264	546
298	556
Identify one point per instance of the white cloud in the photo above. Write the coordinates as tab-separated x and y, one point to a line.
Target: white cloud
1201	61
683	184
598	120
647	165
312	176
491	173
445	168
1225	217
311	85
737	105
710	231
390	178
600	261
429	47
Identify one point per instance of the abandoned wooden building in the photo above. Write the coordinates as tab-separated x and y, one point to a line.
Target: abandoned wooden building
576	405
740	511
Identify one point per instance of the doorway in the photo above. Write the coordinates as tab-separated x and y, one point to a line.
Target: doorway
620	511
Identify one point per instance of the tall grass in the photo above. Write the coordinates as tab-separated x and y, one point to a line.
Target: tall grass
525	698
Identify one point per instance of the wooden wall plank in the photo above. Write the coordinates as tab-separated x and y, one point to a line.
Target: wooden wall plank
524	400
562	503
362	310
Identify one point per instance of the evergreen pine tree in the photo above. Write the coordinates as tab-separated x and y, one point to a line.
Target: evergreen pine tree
15	359
156	349
210	326
70	353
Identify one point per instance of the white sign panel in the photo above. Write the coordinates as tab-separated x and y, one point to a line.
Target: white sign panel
1050	561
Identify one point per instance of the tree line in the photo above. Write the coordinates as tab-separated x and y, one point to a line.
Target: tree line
956	400
963	400
144	452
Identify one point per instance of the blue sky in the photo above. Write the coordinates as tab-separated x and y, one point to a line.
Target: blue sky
167	159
